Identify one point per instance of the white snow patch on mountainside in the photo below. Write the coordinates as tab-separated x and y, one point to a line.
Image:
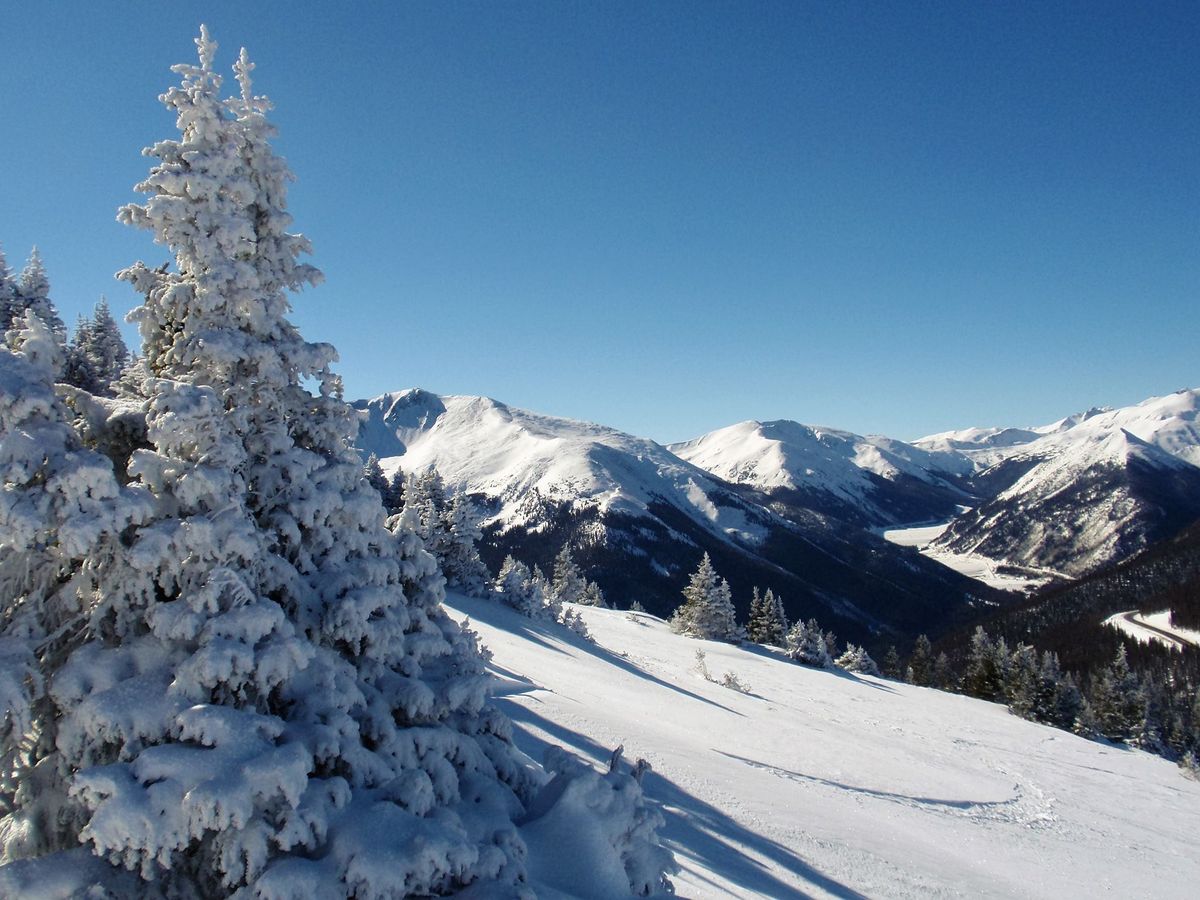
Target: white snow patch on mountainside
970	564
825	784
480	445
1168	422
784	454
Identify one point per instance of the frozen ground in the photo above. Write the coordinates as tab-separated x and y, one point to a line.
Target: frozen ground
1154	627
970	564
830	785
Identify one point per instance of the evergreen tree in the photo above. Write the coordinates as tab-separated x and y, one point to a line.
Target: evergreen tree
856	659
33	294
593	596
891	663
268	697
1116	702
569	584
806	644
768	623
97	354
461	565
8	295
986	665
707	609
1024	684
393	496
374	475
921	662
943	677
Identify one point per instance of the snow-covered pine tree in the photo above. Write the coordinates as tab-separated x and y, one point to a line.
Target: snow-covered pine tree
593	596
891	663
393	497
33	294
857	659
1116	701
921	662
516	587
8	295
568	584
986	664
461	565
374	475
97	354
268	695
61	505
707	610
768	622
806	645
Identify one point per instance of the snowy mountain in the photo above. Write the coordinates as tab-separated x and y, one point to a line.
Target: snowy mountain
1088	490
825	784
638	517
866	480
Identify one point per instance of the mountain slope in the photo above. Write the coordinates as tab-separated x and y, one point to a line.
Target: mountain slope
824	784
1091	490
638	517
870	481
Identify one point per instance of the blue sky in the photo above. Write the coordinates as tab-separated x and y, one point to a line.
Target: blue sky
668	217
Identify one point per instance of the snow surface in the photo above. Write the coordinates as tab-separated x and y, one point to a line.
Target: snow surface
481	446
1154	627
824	784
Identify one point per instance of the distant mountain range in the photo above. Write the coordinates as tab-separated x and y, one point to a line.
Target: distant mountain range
801	508
638	517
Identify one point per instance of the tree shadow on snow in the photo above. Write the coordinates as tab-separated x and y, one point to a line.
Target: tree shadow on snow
695	830
779	656
539	632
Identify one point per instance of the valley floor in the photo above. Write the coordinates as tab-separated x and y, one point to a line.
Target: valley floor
827	784
970	564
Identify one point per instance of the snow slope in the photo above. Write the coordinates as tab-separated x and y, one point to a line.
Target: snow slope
825	784
877	479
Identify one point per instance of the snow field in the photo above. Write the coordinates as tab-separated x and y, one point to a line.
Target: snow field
820	783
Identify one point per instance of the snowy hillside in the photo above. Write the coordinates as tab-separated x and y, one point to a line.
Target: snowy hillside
871	480
1092	489
638	517
826	784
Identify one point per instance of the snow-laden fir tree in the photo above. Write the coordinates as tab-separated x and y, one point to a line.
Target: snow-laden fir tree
373	472
460	561
61	507
707	610
97	354
253	687
568	584
33	294
8	295
920	664
1116	704
857	659
768	622
806	644
593	596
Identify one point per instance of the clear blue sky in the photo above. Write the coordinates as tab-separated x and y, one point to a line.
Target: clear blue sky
668	217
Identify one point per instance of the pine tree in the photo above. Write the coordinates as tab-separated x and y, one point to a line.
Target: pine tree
393	496
593	596
461	565
1116	701
921	662
891	663
97	354
569	584
768	623
33	294
1024	684
943	677
8	295
269	698
707	609
986	664
806	644
856	659
374	475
